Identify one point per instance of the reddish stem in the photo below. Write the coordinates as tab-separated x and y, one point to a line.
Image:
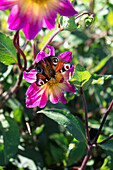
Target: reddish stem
19	50
44	47
103	121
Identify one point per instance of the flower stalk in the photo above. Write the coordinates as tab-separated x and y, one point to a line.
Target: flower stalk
94	144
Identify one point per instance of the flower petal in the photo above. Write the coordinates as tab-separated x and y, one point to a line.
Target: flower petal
68	73
35	24
30	76
19	17
49	21
51	50
7	4
60	94
33	89
32	29
40	56
66	56
53	97
43	99
66	8
40	97
67	87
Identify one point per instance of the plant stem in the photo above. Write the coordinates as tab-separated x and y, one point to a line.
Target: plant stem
19	50
16	41
84	13
44	47
86	158
52	36
86	117
9	94
105	140
103	121
33	46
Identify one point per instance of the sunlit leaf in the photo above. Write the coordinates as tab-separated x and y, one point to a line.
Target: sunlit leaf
107	163
100	64
7	50
110	18
97	78
67	120
68	23
18	114
81	78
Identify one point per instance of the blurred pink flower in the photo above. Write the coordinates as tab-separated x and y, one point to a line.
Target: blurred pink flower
55	84
32	15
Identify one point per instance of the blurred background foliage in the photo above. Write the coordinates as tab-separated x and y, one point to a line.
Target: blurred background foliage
51	146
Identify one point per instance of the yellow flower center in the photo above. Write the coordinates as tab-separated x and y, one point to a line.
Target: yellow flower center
54	81
40	1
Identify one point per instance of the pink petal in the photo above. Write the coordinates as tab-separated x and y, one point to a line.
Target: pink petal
66	56
52	50
40	56
66	8
68	73
60	94
18	18
34	89
62	98
43	99
35	25
30	76
39	99
7	4
67	87
53	97
49	20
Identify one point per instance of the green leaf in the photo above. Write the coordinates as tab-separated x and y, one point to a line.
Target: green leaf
97	78
39	129
18	113
67	120
68	23
108	145
4	71
29	157
110	18
107	163
9	139
1	168
74	151
100	64
57	153
81	78
7	50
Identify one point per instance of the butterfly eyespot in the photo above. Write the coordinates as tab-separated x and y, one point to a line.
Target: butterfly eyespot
40	82
38	69
55	60
67	66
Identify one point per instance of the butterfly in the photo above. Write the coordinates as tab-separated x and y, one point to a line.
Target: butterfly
50	67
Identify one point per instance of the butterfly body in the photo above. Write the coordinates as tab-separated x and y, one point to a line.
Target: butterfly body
48	68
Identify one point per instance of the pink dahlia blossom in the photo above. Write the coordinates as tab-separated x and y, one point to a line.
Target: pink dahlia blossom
32	15
53	85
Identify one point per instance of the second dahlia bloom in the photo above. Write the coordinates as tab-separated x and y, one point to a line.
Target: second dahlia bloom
50	78
32	15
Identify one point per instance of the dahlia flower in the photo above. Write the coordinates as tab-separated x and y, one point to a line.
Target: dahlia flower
32	15
49	78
